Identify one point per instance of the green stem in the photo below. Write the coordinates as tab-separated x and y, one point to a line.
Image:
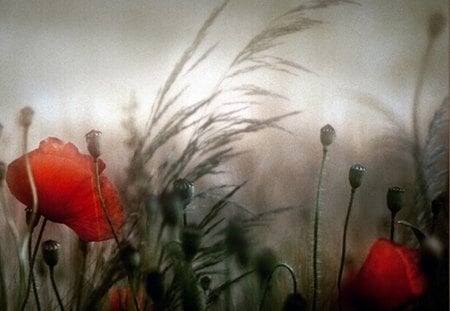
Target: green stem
392	236
113	231
344	241
316	229
294	281
55	288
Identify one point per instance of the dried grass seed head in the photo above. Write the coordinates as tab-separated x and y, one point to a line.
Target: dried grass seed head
184	189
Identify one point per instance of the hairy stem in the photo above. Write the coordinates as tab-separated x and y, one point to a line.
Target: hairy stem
344	242
316	229
294	281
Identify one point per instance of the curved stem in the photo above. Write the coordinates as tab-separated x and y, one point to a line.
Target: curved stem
294	281
32	256
55	289
316	230
344	241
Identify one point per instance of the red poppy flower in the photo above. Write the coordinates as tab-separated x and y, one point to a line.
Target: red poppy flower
66	189
390	277
121	298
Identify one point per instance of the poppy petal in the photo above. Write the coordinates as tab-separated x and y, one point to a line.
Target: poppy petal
390	277
65	182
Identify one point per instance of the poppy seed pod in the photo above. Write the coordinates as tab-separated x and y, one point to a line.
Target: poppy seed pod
294	302
184	189
26	116
154	285
327	135
436	24
50	252
94	143
171	208
237	242
191	238
130	257
356	175
395	198
205	282
265	262
2	171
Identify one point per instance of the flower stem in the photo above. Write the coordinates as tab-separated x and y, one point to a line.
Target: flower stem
83	246
113	231
392	226
32	256
291	272
344	241
55	288
316	229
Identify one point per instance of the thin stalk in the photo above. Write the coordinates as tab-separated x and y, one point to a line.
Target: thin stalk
113	231
316	229
228	288
34	208
55	288
30	281
79	294
294	281
392	236
12	227
344	241
3	295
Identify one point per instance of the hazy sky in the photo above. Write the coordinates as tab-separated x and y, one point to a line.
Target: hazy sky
77	62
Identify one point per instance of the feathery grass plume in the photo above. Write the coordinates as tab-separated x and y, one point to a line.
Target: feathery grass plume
355	177
327	136
436	23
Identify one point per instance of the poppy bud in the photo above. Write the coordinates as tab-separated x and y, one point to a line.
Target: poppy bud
294	302
2	171
394	199
237	242
184	189
26	116
50	252
94	143
171	208
191	238
265	262
29	216
356	175
154	284
436	24
130	257
327	135
205	282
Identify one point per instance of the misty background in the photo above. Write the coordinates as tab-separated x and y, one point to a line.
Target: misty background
77	63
